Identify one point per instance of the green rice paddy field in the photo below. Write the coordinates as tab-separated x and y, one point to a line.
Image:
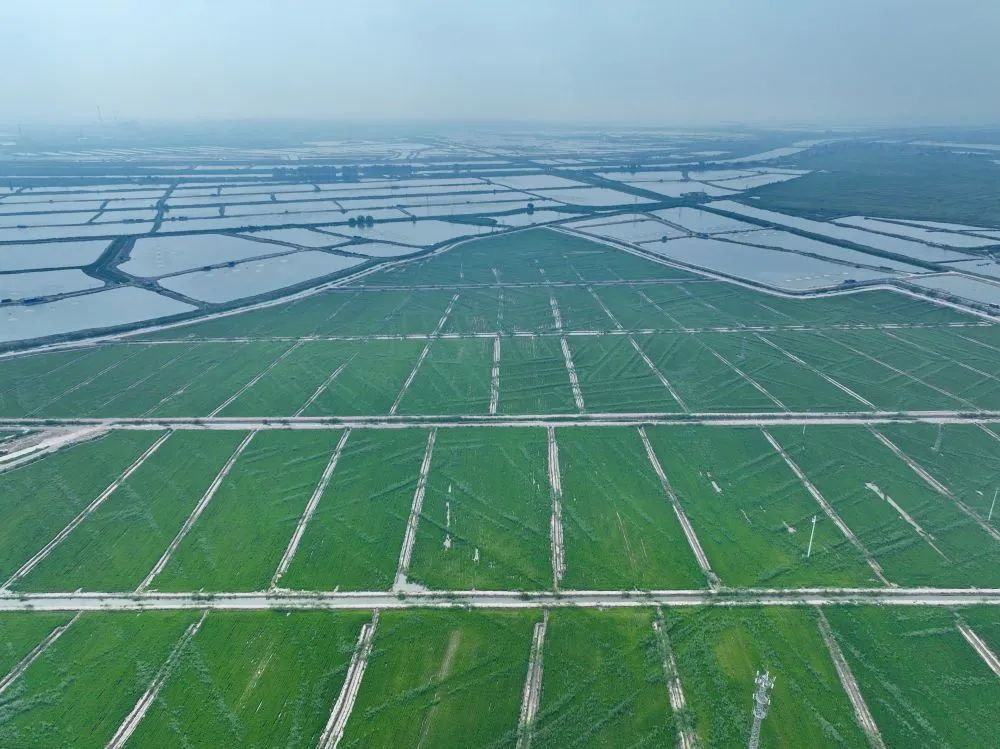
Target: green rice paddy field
400	364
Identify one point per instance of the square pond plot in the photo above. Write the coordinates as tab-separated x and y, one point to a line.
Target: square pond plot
210	387
354	537
887	389
443	679
527	309
619	526
476	311
580	310
294	380
963	387
533	377
924	684
243	532
920	537
38	499
254	679
454	378
82	687
370	383
30	384
603	683
703	381
614	378
118	544
486	513
793	386
718	652
751	513
964	457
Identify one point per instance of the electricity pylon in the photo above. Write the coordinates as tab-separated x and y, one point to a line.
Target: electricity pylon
761	703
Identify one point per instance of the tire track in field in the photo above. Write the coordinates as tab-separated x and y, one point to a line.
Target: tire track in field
861	712
423	355
87	511
135	716
310	509
828	509
195	513
532	694
936	485
333	732
686	736
689	533
410	537
35	653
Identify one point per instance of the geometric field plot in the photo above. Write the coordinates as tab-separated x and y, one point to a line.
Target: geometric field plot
440	678
614	377
620	529
82	687
718	653
243	681
454	378
240	537
603	682
38	499
118	544
751	513
485	517
353	538
923	682
918	535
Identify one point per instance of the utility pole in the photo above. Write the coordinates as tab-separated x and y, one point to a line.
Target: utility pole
812	534
761	703
994	504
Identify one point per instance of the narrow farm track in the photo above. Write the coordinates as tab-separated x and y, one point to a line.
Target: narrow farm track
35	654
423	355
686	737
485	599
410	537
532	694
381	421
981	648
135	716
333	732
850	685
558	549
257	378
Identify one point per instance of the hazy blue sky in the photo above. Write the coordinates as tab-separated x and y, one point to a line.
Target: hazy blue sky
618	61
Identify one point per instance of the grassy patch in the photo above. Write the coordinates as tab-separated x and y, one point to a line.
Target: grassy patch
79	691
454	378
239	540
533	377
443	679
620	529
614	377
38	499
603	683
353	540
20	632
488	492
259	679
115	547
719	652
